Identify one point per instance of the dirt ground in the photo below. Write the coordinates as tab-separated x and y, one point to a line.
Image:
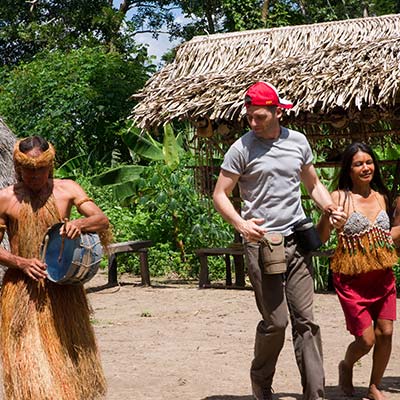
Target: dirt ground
174	341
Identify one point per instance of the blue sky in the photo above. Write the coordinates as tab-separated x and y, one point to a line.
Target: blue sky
156	47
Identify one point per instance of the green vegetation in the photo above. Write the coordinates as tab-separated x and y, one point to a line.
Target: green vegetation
78	100
68	70
163	205
168	211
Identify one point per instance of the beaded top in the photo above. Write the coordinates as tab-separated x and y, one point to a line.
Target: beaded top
364	245
358	223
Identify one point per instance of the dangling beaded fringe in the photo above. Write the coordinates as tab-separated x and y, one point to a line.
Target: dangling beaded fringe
369	250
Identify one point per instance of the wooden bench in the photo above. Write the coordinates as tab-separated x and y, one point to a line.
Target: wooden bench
227	252
137	246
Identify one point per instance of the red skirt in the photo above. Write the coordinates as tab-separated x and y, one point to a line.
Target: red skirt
366	297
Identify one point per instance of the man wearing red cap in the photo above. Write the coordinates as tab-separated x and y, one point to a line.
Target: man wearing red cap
269	163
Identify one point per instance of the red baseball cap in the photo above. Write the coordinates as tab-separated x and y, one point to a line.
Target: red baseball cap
264	94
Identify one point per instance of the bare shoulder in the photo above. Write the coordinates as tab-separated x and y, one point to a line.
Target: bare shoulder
338	197
7	199
68	187
382	200
7	191
7	194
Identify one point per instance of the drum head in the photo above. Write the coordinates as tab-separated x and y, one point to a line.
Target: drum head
71	261
59	259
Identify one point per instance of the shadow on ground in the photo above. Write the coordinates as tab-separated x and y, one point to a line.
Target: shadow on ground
275	396
390	384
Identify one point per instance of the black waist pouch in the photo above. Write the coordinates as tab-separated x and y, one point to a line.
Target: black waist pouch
307	235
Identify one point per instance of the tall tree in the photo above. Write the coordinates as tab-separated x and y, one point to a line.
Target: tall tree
28	27
212	16
67	71
79	100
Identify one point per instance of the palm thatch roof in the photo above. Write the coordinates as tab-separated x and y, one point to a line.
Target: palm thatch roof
342	76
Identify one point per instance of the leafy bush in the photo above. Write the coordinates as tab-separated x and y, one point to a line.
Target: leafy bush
173	215
78	100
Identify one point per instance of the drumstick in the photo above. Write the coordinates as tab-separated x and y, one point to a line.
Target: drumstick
46	242
62	243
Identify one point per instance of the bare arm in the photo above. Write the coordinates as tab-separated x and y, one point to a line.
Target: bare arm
329	221
92	220
249	229
395	231
316	189
333	215
32	267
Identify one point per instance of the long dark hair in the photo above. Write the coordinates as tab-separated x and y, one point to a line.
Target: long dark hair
345	183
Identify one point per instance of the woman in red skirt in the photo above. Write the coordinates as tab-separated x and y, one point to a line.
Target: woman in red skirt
362	265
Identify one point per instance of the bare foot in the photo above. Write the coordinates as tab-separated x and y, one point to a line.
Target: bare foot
346	379
375	394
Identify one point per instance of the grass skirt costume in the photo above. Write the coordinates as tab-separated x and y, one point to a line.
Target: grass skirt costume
362	271
47	343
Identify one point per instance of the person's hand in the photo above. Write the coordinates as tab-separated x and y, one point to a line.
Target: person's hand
33	267
338	218
250	229
70	229
329	209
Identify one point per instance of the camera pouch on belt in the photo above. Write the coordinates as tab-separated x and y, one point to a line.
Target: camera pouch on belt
272	249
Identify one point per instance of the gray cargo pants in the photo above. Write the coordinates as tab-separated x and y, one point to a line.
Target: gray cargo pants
275	296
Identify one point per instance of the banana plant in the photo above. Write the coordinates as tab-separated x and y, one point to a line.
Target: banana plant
125	179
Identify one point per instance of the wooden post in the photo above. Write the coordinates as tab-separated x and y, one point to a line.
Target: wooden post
237	204
228	270
203	276
239	271
112	270
238	260
144	267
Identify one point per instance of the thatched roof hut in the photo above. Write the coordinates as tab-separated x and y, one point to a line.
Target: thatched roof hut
343	77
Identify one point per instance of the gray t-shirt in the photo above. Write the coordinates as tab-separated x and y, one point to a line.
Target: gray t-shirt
269	180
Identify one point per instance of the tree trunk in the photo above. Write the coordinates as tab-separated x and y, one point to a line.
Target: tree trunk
302	6
125	6
209	11
264	11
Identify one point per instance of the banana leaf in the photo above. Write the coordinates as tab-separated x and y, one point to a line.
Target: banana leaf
118	175
142	144
73	167
123	180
